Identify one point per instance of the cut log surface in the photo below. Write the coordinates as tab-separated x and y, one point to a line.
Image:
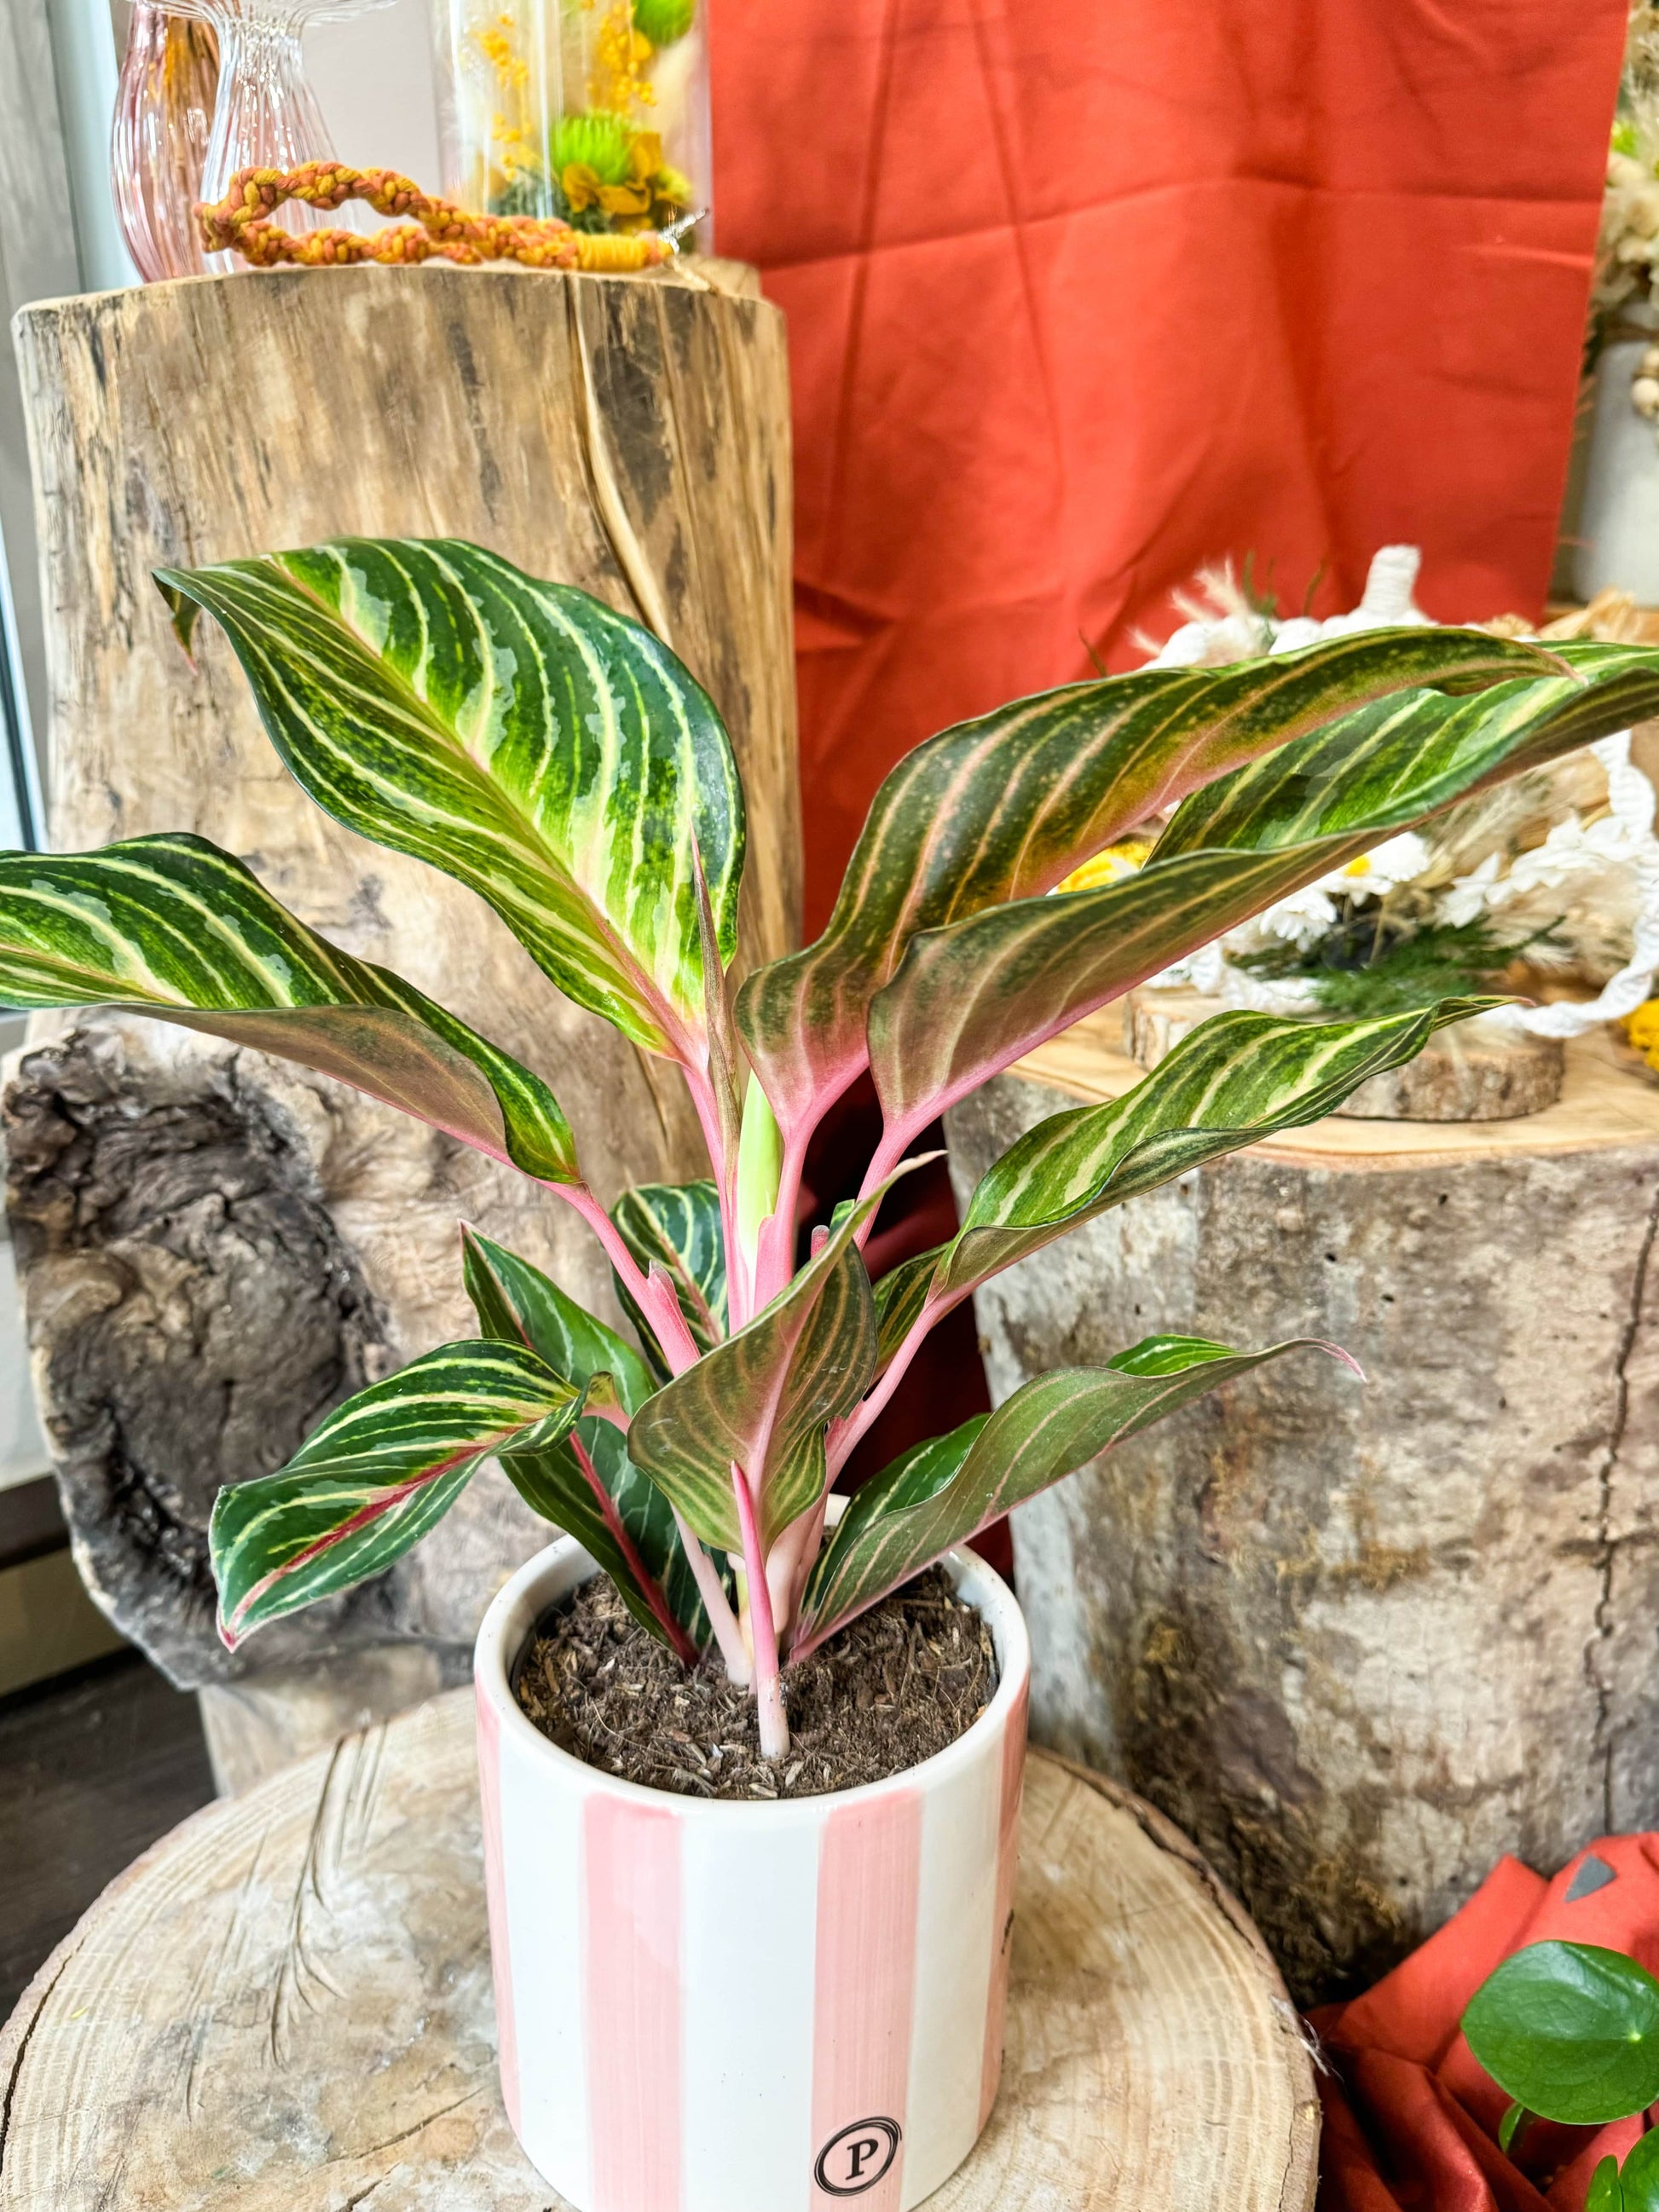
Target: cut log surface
1358	1640
285	2007
216	1248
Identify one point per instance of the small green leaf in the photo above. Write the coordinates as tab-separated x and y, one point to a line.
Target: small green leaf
374	1475
676	1226
1605	2191
1571	2031
1638	2178
762	1399
1514	2124
517	1303
760	1165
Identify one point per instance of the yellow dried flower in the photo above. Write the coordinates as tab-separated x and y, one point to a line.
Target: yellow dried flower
1641	1030
1110	866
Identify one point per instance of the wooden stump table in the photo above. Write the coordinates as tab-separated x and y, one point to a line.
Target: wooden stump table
285	2007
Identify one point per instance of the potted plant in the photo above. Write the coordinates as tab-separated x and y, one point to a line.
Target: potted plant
751	1989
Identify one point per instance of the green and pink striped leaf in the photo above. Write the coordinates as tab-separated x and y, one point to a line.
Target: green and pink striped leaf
676	1227
1237	1078
519	735
630	1529
1005	807
376	1475
760	1400
971	997
944	1491
172	927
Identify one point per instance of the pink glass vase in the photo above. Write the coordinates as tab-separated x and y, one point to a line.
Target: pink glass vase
163	117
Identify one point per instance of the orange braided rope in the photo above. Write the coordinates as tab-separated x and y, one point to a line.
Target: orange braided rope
241	223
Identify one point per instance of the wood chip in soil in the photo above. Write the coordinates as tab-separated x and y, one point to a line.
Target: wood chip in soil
896	1685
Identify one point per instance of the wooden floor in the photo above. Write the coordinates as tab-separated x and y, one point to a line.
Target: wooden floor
94	1767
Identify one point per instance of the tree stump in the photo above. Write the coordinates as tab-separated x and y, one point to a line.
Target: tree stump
1358	1641
216	1248
285	2007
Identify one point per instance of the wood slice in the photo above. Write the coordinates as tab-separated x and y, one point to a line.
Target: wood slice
216	1248
1358	1640
285	2007
1474	1071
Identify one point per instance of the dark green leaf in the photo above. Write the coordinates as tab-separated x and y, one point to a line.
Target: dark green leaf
516	1302
1639	2176
1571	2031
1514	2124
1605	2191
1238	1077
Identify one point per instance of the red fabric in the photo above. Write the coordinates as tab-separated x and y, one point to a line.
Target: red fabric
1084	293
1411	2120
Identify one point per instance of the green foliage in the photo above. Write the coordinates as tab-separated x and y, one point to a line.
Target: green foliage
596	140
1370	965
1571	2031
662	22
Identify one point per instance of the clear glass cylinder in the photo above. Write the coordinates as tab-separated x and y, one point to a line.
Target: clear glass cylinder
266	114
158	145
594	110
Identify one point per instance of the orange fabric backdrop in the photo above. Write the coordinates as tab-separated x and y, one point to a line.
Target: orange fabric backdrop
1084	293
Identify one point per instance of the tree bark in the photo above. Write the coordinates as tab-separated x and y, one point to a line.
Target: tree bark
1358	1640
216	1248
285	2007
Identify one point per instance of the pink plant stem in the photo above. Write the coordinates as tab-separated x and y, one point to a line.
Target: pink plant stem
769	1690
775	1261
650	1589
803	1560
716	1605
654	1295
739	1303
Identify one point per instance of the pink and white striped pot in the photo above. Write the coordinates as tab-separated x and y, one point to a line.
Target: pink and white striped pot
747	2008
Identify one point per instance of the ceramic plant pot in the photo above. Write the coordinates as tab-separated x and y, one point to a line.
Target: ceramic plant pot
775	2006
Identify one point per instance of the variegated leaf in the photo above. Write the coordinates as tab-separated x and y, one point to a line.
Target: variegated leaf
969	1000
760	1400
1401	761
517	1303
374	1475
1238	1077
172	927
1005	807
945	1491
676	1226
900	1296
519	735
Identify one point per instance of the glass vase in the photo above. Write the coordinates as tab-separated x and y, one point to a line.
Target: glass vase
266	114
163	115
594	110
